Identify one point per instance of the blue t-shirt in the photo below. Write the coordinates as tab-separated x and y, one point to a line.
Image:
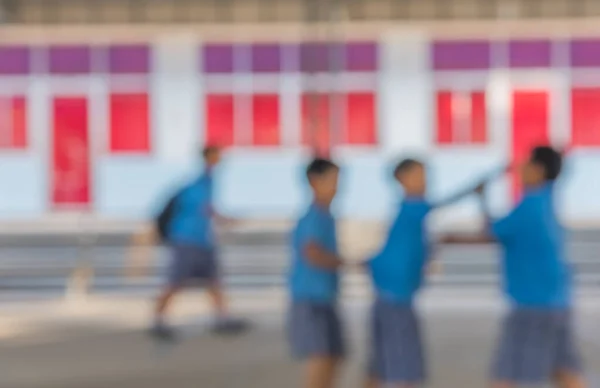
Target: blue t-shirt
192	219
536	273
397	271
306	281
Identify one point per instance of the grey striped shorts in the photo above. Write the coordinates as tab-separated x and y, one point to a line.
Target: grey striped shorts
315	330
191	263
534	344
396	347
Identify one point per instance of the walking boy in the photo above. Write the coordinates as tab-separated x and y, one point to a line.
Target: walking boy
315	328
537	343
191	239
397	357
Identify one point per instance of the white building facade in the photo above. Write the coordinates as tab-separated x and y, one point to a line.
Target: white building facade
110	122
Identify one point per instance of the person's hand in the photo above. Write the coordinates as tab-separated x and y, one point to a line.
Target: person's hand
434	267
480	188
140	254
447	239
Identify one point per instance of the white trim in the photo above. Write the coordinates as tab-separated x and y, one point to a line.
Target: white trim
128	83
584	78
461	80
14	85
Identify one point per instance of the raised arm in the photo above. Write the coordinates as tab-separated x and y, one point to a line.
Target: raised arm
473	188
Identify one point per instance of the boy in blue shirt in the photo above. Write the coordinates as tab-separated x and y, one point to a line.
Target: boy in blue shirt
537	344
315	328
396	356
194	257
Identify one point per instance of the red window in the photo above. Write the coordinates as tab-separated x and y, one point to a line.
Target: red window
265	120
461	118
361	121
585	117
13	122
220	119
129	123
316	115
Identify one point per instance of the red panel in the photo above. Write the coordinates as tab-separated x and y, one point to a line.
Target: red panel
13	122
478	118
266	120
445	118
129	122
361	119
530	126
316	131
70	152
585	117
220	119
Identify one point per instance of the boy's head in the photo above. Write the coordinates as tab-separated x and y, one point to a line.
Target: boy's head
322	176
412	176
211	155
544	165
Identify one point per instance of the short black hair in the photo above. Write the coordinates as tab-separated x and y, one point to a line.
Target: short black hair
320	166
406	164
209	149
549	159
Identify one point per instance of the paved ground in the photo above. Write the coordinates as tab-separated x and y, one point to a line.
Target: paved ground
100	343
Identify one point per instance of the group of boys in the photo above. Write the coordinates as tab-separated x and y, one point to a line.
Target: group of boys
536	344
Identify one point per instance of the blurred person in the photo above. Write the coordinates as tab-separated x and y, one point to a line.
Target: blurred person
537	344
186	225
315	328
397	357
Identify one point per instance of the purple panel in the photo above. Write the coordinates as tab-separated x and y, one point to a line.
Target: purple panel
14	60
266	58
69	59
585	53
461	55
218	58
320	57
129	59
530	53
361	56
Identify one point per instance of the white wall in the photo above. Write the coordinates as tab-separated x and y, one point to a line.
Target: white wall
269	182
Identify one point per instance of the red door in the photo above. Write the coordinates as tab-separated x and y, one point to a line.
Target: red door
70	153
530	126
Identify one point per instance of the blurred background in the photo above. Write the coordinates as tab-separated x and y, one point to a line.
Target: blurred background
104	105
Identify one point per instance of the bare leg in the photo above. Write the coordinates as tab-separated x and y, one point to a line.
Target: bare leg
568	379
163	302
321	372
372	383
503	384
217	299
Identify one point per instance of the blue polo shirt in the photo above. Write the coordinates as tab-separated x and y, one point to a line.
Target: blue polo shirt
306	281
192	218
397	271
536	272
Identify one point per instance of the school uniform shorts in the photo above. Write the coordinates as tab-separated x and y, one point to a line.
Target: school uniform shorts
315	330
396	346
533	345
191	263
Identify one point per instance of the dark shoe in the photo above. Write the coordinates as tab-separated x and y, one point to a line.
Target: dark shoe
231	326
163	333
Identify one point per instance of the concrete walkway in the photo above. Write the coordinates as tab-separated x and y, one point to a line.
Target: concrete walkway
100	343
